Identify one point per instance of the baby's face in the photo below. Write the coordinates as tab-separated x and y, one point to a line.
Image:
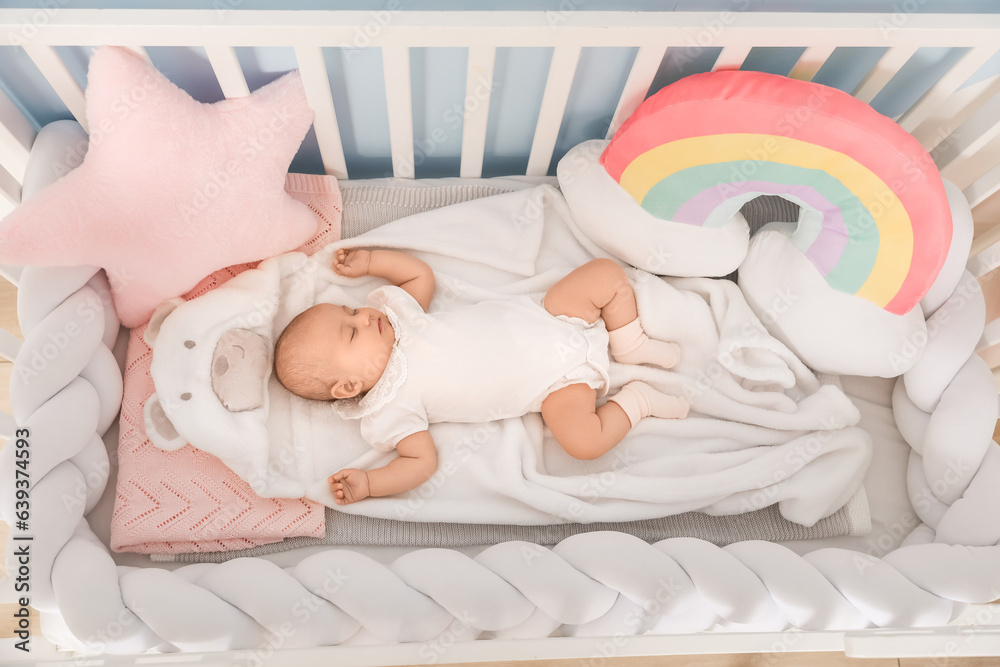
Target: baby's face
357	342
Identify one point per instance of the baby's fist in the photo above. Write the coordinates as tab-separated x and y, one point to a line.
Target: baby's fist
352	262
349	486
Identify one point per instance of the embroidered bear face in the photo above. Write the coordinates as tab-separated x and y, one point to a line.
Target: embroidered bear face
239	368
238	371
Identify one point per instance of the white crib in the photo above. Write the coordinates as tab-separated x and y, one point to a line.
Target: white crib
959	125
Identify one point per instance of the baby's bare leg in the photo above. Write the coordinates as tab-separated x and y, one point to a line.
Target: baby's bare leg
584	431
600	288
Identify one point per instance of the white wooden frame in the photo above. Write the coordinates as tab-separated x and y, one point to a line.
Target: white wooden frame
962	125
968	134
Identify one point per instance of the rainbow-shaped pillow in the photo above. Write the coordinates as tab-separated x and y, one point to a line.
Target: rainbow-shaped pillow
876	221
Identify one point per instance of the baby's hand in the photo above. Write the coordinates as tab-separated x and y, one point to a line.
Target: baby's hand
349	485
352	262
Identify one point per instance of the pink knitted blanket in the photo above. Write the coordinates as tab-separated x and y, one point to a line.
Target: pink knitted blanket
187	500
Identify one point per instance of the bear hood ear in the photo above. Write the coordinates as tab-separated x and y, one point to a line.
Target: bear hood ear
160	314
159	428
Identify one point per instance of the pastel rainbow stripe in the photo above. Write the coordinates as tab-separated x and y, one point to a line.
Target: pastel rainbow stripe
876	222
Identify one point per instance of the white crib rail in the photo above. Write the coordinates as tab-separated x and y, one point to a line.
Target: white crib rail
59	77
640	77
317	86
567	32
399	105
810	62
227	70
16	137
478	87
984	258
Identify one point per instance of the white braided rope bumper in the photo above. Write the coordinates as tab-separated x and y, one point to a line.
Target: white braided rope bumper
591	584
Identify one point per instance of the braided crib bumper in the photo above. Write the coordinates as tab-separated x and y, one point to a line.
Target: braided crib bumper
66	390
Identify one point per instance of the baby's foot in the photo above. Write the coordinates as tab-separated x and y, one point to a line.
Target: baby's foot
630	345
639	400
666	406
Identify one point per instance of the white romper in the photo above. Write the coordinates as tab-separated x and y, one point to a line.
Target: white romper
475	363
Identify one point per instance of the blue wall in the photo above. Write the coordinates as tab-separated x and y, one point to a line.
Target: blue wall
438	75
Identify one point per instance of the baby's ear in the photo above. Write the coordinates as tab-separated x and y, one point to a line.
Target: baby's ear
343	389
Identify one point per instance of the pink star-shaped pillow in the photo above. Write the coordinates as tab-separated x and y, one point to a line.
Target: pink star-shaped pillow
170	189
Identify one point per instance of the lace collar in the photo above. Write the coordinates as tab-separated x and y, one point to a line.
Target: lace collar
385	389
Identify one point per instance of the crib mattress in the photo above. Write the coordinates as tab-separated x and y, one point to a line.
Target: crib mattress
369	204
366	205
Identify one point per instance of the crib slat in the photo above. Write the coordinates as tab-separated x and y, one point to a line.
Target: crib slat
981	130
478	89
731	58
227	70
986	259
640	78
964	170
10	192
550	116
983	187
957	109
990	339
879	75
984	255
316	80
16	136
398	97
967	65
57	74
9	345
810	62
140	51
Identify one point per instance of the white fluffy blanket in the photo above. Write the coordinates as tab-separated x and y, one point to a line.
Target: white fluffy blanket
763	428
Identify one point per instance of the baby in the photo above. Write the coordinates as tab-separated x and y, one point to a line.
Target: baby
398	368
